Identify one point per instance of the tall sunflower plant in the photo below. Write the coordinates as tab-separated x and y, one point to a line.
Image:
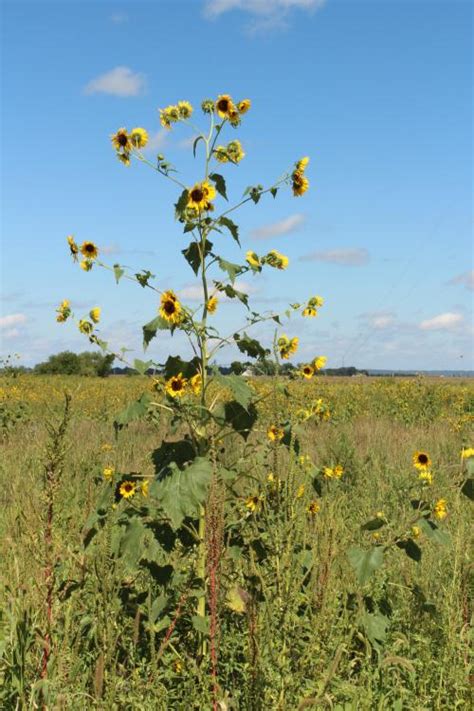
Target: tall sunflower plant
207	406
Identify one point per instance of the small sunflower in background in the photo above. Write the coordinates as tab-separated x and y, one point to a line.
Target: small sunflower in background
185	109
275	434
176	385
138	137
254	503
196	383
121	141
225	106
253	260
89	250
127	489
307	371
170	307
421	460
200	195
313	507
211	305
440	509
243	106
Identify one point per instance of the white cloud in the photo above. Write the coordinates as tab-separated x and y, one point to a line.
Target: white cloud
118	18
12	320
351	257
277	229
466	279
442	322
267	15
11	334
157	140
379	319
120	81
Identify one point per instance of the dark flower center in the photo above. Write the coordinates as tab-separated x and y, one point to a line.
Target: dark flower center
169	307
422	458
197	195
223	105
127	487
89	248
176	385
122	139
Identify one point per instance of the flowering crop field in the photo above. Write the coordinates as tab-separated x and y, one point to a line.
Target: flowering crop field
343	562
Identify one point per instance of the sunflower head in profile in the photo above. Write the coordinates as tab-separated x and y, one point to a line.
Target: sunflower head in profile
127	489
235	151
253	260
85	326
313	507
244	105
200	196
138	137
300	183
309	312
319	362
170	308
307	371
211	305
254	503
89	250
196	383
185	109
176	385
224	106
73	248
421	460
274	433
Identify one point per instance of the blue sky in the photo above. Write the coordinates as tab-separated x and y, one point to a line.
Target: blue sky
378	94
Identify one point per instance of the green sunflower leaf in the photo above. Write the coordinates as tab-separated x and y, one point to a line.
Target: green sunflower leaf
182	491
241	391
193	255
365	562
231	226
150	329
134	411
196	141
118	272
219	182
232	269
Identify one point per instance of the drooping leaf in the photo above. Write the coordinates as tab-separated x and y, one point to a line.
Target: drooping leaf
232	293
365	562
193	256
141	365
150	329
241	391
219	182
250	346
175	365
412	550
134	411
196	141
241	419
118	272
231	226
232	269
180	452
431	531
182	491
468	489
144	277
182	203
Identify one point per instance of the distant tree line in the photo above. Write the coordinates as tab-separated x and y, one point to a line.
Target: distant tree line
69	363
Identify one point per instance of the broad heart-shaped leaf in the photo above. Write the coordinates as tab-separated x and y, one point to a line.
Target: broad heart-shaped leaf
467	488
193	256
250	346
175	365
242	393
232	227
365	562
232	269
150	329
180	452
241	419
231	292
118	272
131	541
141	365
219	182
133	411
181	491
375	626
411	549
431	530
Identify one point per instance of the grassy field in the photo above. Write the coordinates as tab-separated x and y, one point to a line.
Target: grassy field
325	591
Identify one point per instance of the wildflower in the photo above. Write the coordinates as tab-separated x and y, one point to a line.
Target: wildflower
170	308
74	249
305	461
176	385
121	141
244	105
95	314
168	116
302	164
211	305
208	106
124	158
127	489
253	260
254	503
425	476
235	151
319	362
381	515
224	106
467	453
338	471
221	154
440	510
415	531
421	460
287	346
139	137
108	473
274	433
276	260
63	311
307	371
200	195
316	302
144	487
234	118
310	312
196	383
106	447
178	666
89	250
86	264
313	507
300	183
85	326
300	491
185	109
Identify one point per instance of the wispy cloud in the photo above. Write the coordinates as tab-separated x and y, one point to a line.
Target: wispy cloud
267	15
12	320
119	18
278	229
120	81
351	257
442	322
379	319
156	141
465	279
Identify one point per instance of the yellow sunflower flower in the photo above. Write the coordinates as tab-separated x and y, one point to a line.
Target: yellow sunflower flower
275	434
276	260
425	476
338	471
319	362
63	311
145	486
252	259
244	105
467	453
300	183
313	507
221	154
440	510
235	151
302	164
211	306
415	531
168	116
176	385
328	472
224	106
185	109
196	383
124	158
108	473
170	308
138	137
200	195
316	302
300	491
309	312
85	326
121	141
421	461
95	314
254	503
89	250
74	249
127	489
86	264
307	371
